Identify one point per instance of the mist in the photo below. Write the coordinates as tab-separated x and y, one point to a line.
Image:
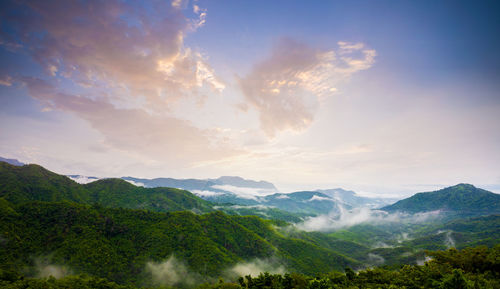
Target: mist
171	272
340	217
44	269
255	267
449	242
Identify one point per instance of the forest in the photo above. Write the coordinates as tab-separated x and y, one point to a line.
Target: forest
56	233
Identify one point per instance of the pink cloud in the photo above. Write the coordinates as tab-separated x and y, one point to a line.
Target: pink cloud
135	50
287	87
134	130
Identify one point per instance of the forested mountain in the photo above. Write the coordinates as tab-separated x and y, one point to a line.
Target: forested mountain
111	229
462	199
117	244
34	183
239	191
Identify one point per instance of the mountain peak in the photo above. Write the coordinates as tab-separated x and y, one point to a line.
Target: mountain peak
462	199
462	186
241	182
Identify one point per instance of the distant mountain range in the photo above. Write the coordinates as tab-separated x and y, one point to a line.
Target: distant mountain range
13	162
232	192
242	192
237	195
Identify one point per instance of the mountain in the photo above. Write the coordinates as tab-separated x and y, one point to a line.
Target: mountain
35	183
240	182
351	199
233	192
208	184
307	202
185	184
96	229
13	162
462	199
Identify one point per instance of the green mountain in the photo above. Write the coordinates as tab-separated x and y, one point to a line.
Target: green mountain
108	229
462	199
114	230
117	244
34	183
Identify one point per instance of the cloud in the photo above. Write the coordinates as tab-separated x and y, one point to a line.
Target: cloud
132	49
340	217
319	198
448	240
83	179
256	267
375	259
287	87
137	184
204	193
170	272
45	269
5	80
245	192
134	130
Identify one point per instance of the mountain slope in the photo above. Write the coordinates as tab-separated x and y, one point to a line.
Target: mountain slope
34	183
117	193
462	199
117	244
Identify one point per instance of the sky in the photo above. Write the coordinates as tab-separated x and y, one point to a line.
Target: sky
385	98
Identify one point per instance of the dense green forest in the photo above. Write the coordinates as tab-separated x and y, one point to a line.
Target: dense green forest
112	234
117	243
477	267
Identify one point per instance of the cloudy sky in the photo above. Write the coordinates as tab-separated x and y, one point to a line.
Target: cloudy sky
381	97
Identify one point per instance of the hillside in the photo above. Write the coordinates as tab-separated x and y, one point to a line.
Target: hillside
34	183
116	244
462	199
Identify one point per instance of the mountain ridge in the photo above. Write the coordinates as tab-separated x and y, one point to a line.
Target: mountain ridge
463	199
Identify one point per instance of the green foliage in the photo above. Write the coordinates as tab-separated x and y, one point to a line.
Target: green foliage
117	243
34	183
110	230
462	199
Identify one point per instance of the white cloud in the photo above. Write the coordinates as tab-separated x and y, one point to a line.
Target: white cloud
255	267
137	184
170	272
204	193
83	179
320	198
244	192
346	218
